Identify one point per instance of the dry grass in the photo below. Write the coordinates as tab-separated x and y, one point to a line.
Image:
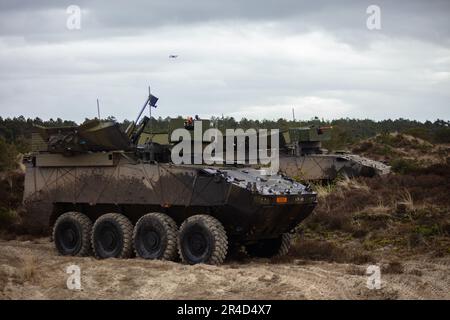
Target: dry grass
374	212
28	269
348	184
323	250
407	199
323	190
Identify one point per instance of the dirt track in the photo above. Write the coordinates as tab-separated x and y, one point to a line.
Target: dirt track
33	270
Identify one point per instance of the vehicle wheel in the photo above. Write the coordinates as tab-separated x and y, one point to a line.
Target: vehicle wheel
112	236
270	247
202	239
72	234
155	237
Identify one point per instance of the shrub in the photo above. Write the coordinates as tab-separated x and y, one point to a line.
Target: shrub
421	133
8	156
442	135
393	267
7	217
404	166
363	147
427	231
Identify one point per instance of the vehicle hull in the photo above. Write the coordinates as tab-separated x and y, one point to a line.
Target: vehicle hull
134	189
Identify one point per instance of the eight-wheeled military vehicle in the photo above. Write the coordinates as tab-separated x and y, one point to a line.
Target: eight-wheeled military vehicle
302	157
107	191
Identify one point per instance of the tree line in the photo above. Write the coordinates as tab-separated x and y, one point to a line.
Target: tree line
15	133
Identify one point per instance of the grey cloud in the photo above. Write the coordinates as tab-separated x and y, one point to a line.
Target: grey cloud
242	58
33	19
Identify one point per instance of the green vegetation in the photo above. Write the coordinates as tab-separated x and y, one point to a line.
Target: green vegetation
8	155
7	217
442	135
404	166
427	231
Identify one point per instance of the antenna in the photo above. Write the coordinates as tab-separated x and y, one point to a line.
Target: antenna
150	111
98	109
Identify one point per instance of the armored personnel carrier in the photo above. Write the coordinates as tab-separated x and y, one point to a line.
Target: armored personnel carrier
114	193
302	157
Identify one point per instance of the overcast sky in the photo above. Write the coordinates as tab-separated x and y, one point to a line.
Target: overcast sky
254	59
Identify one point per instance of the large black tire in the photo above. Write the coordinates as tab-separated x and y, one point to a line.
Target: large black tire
72	234
155	237
268	248
112	236
202	239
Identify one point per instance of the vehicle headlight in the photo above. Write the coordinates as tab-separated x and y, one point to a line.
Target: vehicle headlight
263	200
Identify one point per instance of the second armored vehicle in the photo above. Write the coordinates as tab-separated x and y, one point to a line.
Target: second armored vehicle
302	157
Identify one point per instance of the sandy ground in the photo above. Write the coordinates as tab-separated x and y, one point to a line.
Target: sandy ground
33	270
